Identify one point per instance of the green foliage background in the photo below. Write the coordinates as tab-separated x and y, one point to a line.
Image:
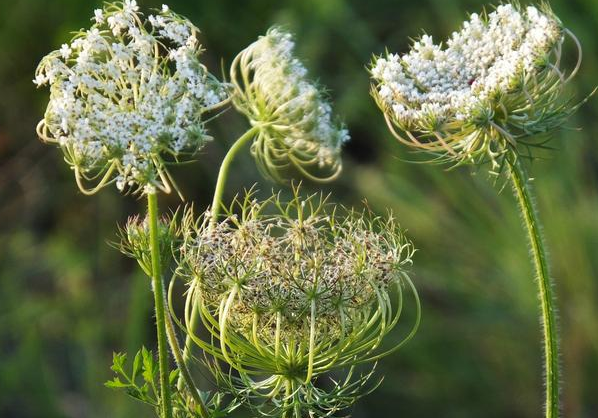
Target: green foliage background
67	300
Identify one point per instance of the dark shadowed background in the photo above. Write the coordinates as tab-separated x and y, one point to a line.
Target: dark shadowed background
68	300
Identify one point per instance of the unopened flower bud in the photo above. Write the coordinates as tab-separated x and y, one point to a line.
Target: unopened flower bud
294	119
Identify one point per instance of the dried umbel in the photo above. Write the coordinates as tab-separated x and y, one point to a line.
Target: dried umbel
127	97
494	87
292	290
293	120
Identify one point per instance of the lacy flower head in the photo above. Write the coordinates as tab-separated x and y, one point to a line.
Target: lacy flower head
126	98
293	120
292	290
493	87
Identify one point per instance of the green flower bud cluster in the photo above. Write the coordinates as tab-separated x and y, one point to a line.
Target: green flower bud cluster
295	289
135	240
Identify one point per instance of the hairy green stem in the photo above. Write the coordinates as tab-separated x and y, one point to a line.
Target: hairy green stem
215	208
152	209
185	375
529	215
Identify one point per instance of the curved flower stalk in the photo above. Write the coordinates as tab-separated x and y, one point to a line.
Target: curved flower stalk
496	87
491	94
290	291
127	97
292	121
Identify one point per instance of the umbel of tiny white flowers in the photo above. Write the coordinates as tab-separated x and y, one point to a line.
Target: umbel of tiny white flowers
292	290
495	88
291	118
127	98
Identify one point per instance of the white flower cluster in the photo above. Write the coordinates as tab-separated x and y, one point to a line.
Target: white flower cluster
483	60
274	92
126	93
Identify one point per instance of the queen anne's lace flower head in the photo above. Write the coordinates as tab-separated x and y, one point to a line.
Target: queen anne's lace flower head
296	289
295	122
487	90
126	96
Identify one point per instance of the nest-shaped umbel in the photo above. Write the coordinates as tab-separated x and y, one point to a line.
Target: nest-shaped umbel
126	96
494	87
292	117
294	290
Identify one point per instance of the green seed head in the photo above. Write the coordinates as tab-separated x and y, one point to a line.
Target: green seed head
292	290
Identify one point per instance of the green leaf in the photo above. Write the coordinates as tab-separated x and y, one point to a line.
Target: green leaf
144	389
145	354
136	365
173	376
118	360
116	383
148	359
135	394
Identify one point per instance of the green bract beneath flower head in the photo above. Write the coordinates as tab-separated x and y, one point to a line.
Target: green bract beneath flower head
295	123
296	289
490	88
126	95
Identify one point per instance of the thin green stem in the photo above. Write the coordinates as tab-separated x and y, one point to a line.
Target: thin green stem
529	215
224	169
288	399
186	376
188	342
312	340
152	209
296	403
215	208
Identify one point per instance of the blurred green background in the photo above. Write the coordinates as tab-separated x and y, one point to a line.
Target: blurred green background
67	300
